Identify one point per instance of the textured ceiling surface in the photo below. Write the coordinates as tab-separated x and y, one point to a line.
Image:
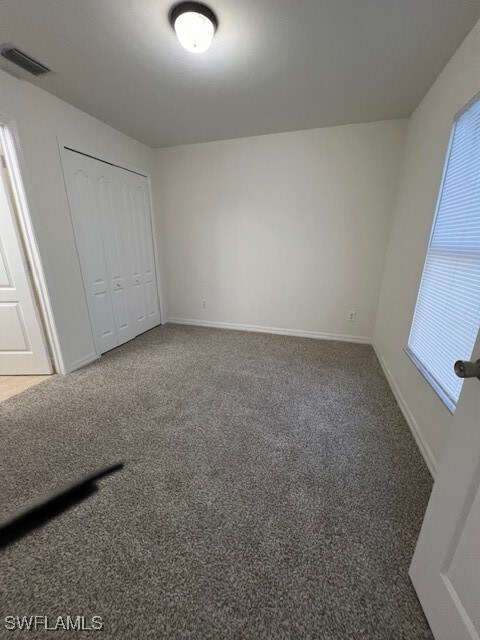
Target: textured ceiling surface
275	65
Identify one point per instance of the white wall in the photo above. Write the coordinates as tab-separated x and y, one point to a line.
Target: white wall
428	135
286	231
40	118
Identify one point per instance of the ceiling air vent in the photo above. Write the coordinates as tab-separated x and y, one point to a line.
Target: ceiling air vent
23	60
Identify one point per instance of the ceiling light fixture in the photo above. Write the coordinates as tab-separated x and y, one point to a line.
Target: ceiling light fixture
195	25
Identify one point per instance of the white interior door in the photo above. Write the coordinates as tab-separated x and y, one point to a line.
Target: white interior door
80	182
115	243
23	350
112	221
142	274
445	569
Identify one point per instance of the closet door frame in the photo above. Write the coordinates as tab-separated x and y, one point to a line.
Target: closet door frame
64	146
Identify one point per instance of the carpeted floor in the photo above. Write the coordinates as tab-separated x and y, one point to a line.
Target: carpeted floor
272	490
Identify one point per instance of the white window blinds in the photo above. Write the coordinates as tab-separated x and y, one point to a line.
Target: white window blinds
447	314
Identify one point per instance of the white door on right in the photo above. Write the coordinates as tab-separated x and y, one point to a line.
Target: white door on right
142	277
115	245
445	569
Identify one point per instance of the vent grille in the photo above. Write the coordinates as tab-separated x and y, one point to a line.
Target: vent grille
23	60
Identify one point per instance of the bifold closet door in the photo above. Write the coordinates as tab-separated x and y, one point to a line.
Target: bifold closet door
142	275
82	199
111	216
114	233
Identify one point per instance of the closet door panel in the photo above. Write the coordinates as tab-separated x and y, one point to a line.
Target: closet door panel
150	279
142	275
114	235
135	275
82	199
151	300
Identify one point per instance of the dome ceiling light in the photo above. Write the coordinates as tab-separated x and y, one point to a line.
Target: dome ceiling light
195	25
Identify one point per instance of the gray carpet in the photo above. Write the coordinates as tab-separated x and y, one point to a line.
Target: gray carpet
273	490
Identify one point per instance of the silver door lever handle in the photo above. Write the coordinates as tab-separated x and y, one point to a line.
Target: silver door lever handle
466	369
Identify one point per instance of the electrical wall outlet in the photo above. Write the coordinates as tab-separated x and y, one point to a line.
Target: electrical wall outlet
352	316
204	304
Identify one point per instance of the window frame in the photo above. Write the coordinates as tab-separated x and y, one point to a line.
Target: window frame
448	402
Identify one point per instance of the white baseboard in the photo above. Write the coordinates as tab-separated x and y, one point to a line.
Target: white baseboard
283	332
82	362
422	444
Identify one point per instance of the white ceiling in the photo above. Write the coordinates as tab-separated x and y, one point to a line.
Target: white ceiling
275	65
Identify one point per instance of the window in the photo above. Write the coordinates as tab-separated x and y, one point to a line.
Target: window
447	314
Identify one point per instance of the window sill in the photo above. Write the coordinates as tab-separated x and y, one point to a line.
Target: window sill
448	402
